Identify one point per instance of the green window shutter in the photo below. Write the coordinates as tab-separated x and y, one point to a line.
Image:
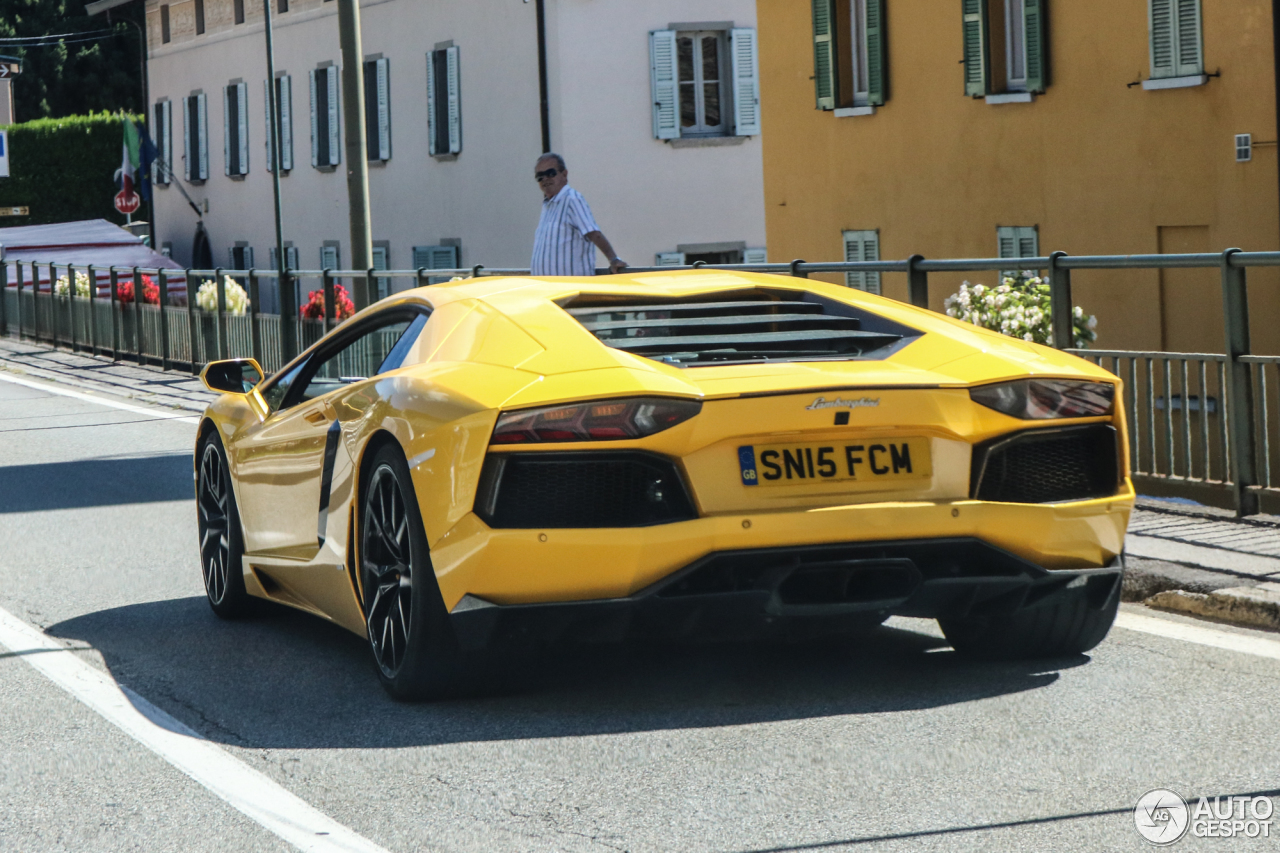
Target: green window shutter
328	257
862	246
877	67
663	84
1017	241
1037	68
669	259
435	258
755	256
1007	240
977	72
380	263
824	54
1162	18
746	82
1188	38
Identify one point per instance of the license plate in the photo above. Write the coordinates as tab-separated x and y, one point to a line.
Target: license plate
864	460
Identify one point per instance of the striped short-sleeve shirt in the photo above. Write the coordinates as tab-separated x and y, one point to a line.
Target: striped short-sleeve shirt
560	246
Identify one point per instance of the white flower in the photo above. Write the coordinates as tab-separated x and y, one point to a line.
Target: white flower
61	288
237	299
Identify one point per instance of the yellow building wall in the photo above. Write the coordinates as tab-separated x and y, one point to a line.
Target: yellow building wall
1100	166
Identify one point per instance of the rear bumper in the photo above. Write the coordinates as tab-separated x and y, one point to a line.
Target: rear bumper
797	590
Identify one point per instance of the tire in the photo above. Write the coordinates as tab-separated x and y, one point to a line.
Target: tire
415	651
1070	623
221	538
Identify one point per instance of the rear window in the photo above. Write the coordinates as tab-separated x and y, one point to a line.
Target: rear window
740	327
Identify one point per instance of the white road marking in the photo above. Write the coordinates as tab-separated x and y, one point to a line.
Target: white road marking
233	781
52	388
1200	634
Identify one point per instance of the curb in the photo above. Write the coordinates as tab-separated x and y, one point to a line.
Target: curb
1249	606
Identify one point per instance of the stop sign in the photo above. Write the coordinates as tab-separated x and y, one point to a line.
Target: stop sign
127	203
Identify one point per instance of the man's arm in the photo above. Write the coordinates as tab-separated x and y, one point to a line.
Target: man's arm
616	264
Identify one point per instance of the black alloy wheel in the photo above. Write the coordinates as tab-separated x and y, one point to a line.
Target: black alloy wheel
221	545
386	560
413	644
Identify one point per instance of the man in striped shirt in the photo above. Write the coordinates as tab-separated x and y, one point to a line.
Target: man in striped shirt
567	235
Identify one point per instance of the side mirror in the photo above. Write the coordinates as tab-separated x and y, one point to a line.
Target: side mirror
234	376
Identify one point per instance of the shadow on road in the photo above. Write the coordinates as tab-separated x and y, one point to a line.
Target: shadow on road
96	482
289	680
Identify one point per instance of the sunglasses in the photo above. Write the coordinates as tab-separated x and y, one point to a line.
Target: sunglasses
545	173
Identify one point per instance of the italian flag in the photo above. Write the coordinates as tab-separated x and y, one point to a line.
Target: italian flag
130	158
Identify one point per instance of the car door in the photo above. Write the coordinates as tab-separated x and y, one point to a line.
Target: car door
285	464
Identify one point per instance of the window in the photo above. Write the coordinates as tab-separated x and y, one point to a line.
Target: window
381	344
862	246
1176	46
199	17
290	257
235	129
436	258
282	6
326	145
1017	241
1244	147
377	109
1014	28
849	63
164	23
195	138
284	111
238	6
161	169
704	83
329	255
710	253
381	253
241	255
699	73
444	102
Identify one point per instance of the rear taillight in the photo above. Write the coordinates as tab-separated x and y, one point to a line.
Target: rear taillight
604	420
1035	399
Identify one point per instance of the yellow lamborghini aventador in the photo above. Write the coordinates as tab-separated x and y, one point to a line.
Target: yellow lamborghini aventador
686	453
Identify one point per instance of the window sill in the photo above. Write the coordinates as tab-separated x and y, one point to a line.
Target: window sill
849	112
1011	98
1175	82
706	141
444	158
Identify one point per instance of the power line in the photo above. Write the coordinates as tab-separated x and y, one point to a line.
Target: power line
54	36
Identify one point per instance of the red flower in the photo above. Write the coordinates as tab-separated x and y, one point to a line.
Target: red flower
314	309
150	291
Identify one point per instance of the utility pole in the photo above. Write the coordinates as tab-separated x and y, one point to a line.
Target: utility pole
357	163
284	282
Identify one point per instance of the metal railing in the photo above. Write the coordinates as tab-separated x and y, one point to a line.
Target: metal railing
1200	424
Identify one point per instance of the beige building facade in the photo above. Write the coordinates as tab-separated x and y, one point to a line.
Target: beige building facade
981	128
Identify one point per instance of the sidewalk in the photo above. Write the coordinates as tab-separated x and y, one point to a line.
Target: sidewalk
172	389
1180	556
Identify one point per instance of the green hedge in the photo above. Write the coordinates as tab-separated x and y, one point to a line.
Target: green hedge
63	169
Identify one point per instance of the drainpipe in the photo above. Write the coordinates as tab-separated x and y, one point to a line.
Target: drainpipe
542	74
1275	55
